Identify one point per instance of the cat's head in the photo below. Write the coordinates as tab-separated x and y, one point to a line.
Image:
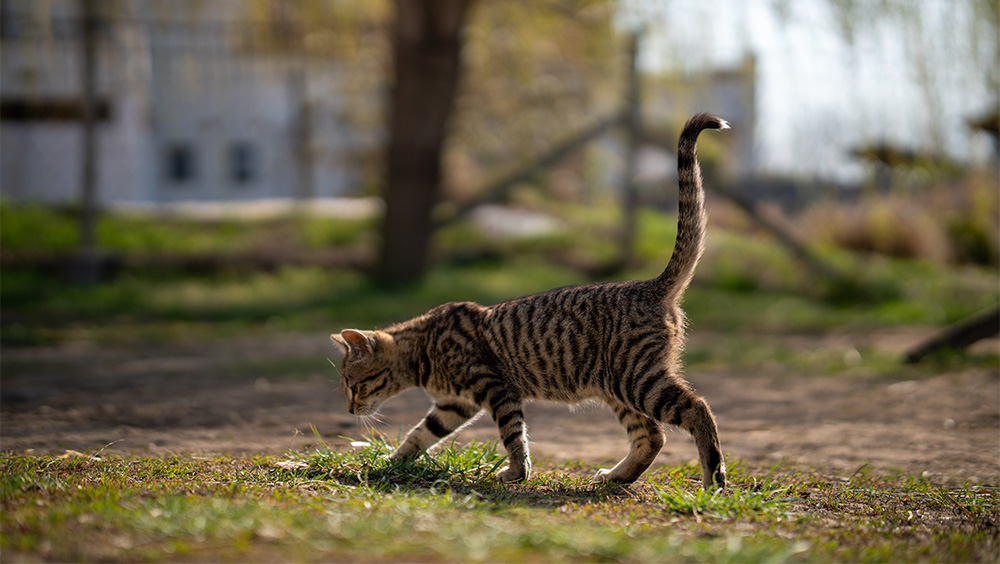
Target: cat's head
366	372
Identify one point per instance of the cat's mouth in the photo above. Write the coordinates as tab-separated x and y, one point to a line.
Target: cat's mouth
362	409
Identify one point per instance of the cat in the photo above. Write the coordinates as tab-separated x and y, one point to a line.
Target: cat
619	342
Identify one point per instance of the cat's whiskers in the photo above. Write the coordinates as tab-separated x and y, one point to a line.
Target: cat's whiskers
370	422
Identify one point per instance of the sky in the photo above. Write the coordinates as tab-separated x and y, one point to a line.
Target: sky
911	81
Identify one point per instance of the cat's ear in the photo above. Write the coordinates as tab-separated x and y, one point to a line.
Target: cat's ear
355	341
341	344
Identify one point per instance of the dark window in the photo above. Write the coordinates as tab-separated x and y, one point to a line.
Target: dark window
180	163
242	162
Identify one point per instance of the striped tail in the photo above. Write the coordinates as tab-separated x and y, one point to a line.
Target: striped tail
691	216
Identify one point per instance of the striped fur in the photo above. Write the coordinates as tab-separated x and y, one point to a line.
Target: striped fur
619	342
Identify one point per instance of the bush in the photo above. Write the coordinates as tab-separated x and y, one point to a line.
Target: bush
949	223
889	226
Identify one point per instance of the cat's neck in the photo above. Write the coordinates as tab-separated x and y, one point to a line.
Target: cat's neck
410	344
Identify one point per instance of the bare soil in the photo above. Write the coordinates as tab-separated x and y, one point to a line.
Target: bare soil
197	399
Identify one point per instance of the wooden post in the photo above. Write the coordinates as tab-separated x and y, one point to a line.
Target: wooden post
89	170
633	125
85	265
303	143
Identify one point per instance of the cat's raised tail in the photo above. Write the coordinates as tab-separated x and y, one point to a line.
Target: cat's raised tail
691	216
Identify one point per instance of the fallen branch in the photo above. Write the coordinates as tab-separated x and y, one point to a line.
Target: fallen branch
959	335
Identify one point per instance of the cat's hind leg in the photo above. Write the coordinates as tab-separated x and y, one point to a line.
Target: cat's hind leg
443	419
645	438
676	404
698	420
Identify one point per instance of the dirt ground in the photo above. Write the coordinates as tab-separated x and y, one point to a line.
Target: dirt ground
192	400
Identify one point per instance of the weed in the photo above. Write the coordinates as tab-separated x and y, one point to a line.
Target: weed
728	504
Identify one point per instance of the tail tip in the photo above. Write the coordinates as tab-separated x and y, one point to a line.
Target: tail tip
705	121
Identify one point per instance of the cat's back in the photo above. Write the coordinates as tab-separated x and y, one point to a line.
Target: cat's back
585	307
561	344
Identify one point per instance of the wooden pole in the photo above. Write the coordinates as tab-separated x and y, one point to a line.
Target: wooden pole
298	86
89	170
86	264
633	126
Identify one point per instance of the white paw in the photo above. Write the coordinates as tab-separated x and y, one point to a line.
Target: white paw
613	476
508	474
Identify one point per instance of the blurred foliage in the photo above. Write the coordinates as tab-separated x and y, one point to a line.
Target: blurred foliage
534	72
36	228
854	14
745	281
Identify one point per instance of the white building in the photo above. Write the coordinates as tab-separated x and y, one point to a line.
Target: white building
189	108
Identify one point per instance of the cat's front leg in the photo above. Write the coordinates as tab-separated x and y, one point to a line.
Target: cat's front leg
509	417
443	419
645	438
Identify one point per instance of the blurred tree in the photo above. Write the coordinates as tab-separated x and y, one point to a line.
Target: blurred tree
536	73
948	47
531	74
427	46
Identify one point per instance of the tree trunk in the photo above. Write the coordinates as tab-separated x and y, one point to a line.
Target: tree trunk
427	46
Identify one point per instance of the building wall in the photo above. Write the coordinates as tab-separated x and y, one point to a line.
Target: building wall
190	115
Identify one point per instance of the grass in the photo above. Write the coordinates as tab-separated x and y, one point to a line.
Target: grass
27	228
353	504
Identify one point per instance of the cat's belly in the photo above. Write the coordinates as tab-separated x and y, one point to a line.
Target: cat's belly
569	396
562	389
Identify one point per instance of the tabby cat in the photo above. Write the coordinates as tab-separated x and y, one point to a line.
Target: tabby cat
619	342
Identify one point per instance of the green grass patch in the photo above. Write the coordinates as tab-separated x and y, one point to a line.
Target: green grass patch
351	503
39	228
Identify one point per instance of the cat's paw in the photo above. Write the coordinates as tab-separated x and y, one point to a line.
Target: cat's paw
402	453
609	475
508	474
715	482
